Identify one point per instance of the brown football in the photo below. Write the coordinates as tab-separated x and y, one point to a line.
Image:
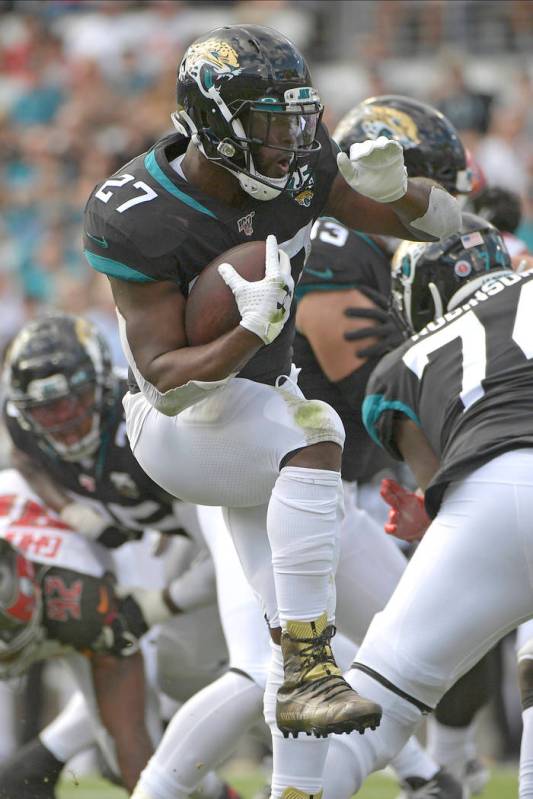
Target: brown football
211	309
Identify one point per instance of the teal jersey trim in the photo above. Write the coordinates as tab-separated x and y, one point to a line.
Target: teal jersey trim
376	404
115	268
157	173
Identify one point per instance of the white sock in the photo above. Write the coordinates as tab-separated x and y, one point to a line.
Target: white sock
526	756
71	731
203	733
448	746
302	528
296	762
414	761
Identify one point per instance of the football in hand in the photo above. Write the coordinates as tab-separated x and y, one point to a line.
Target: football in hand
211	310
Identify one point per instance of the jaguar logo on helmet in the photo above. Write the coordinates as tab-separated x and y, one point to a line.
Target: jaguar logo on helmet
209	62
390	122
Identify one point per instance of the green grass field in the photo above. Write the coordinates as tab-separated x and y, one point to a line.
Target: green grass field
503	785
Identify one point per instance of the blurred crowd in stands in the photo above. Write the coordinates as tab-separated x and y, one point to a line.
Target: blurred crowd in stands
86	85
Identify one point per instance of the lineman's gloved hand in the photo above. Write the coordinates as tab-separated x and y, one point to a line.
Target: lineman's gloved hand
83	519
153	605
264	305
387	330
408	519
376	169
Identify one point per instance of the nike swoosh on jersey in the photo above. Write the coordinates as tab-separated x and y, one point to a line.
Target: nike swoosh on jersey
324	274
98	239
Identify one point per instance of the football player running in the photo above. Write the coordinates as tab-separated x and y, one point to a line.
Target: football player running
250	158
344	284
454	402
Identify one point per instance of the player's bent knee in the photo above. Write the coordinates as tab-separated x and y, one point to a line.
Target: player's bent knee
323	431
325	455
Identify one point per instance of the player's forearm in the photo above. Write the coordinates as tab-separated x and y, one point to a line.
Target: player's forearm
209	362
42	484
416	451
418	203
120	692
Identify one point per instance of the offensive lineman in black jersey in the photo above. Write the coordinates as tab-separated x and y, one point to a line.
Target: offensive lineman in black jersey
63	413
455	402
346	273
249	132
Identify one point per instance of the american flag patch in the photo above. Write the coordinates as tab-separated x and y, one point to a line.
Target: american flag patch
472	240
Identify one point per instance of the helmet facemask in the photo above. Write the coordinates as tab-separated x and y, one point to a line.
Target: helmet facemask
69	420
59	377
251	134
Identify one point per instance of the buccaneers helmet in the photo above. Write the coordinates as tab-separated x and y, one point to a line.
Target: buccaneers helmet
58	375
431	145
430	278
244	87
20	602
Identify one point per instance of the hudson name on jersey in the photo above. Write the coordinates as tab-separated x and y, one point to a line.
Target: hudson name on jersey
466	379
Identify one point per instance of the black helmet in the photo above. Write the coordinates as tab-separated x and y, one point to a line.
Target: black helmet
244	87
20	602
432	147
430	278
61	358
501	207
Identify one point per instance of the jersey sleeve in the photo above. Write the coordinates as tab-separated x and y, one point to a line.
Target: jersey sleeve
126	253
85	613
341	258
392	392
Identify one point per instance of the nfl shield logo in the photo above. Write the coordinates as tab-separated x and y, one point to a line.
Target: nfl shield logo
245	224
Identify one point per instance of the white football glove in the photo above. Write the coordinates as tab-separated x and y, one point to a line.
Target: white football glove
264	305
84	520
151	604
376	169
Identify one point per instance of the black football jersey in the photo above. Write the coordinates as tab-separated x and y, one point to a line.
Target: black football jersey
112	482
146	223
341	258
466	379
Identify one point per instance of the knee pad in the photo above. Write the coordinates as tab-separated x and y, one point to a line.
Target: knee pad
318	420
